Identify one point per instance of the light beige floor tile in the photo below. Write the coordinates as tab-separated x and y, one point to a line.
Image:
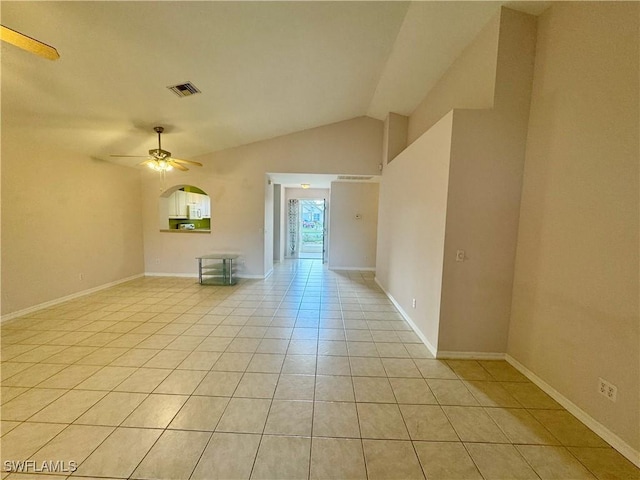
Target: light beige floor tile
498	462
6	426
412	391
401	367
606	463
418	350
232	362
530	396
200	413
9	369
106	379
102	356
181	382
282	458
266	363
367	367
243	345
335	419
26	439
568	429
244	415
451	392
491	394
32	376
381	421
362	349
219	384
299	365
257	385
392	350
502	371
70	376
295	387
76	443
288	417
143	380
112	409
199	361
554	463
9	393
273	345
332	333
373	389
162	462
39	354
391	459
68	407
469	370
333	347
334	388
120	453
473	424
214	344
302	347
428	422
435	369
156	411
446	461
337	459
333	365
520	427
29	403
167	359
228	456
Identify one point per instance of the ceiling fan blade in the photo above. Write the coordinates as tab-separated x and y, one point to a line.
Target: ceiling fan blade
130	156
146	162
189	162
177	165
27	43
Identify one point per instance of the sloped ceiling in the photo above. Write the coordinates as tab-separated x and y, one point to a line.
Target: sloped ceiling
264	68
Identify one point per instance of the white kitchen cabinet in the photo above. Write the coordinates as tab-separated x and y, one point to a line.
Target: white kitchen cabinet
178	204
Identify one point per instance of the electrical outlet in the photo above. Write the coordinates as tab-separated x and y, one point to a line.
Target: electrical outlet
460	256
413	303
81	276
607	389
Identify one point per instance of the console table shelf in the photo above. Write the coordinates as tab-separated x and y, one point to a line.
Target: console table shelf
216	269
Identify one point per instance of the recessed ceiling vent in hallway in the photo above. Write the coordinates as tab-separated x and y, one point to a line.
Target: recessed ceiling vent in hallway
353	177
184	89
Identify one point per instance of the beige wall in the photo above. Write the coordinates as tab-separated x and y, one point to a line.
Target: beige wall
353	240
63	215
235	181
575	299
468	83
411	227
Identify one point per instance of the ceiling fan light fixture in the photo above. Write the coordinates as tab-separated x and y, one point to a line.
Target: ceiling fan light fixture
160	166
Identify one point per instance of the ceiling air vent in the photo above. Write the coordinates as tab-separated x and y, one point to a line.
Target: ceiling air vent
184	89
353	177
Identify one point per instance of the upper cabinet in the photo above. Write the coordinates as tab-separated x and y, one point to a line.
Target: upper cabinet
177	203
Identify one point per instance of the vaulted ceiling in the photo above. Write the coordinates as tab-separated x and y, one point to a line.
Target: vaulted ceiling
264	68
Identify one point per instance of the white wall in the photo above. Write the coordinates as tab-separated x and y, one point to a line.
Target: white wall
235	181
64	215
575	314
353	240
411	227
278	217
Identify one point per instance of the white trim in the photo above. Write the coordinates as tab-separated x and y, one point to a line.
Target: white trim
607	435
268	274
471	355
407	318
251	277
180	275
51	303
360	269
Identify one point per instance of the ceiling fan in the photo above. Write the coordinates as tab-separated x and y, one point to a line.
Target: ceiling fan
161	160
29	44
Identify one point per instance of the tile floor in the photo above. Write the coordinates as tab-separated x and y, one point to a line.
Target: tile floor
308	374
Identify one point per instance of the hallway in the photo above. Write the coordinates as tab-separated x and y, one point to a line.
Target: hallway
307	374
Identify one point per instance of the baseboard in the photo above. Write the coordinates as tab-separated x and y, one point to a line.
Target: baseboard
180	275
353	269
470	355
57	301
607	435
408	319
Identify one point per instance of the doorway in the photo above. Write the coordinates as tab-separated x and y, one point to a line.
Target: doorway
312	228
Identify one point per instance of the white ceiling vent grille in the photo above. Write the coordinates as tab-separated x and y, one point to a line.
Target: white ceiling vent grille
353	177
184	89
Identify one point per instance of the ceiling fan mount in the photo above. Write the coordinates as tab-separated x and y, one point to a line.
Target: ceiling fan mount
161	160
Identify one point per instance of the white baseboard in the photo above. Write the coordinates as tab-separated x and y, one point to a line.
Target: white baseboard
180	275
607	435
51	303
431	348
353	269
470	355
